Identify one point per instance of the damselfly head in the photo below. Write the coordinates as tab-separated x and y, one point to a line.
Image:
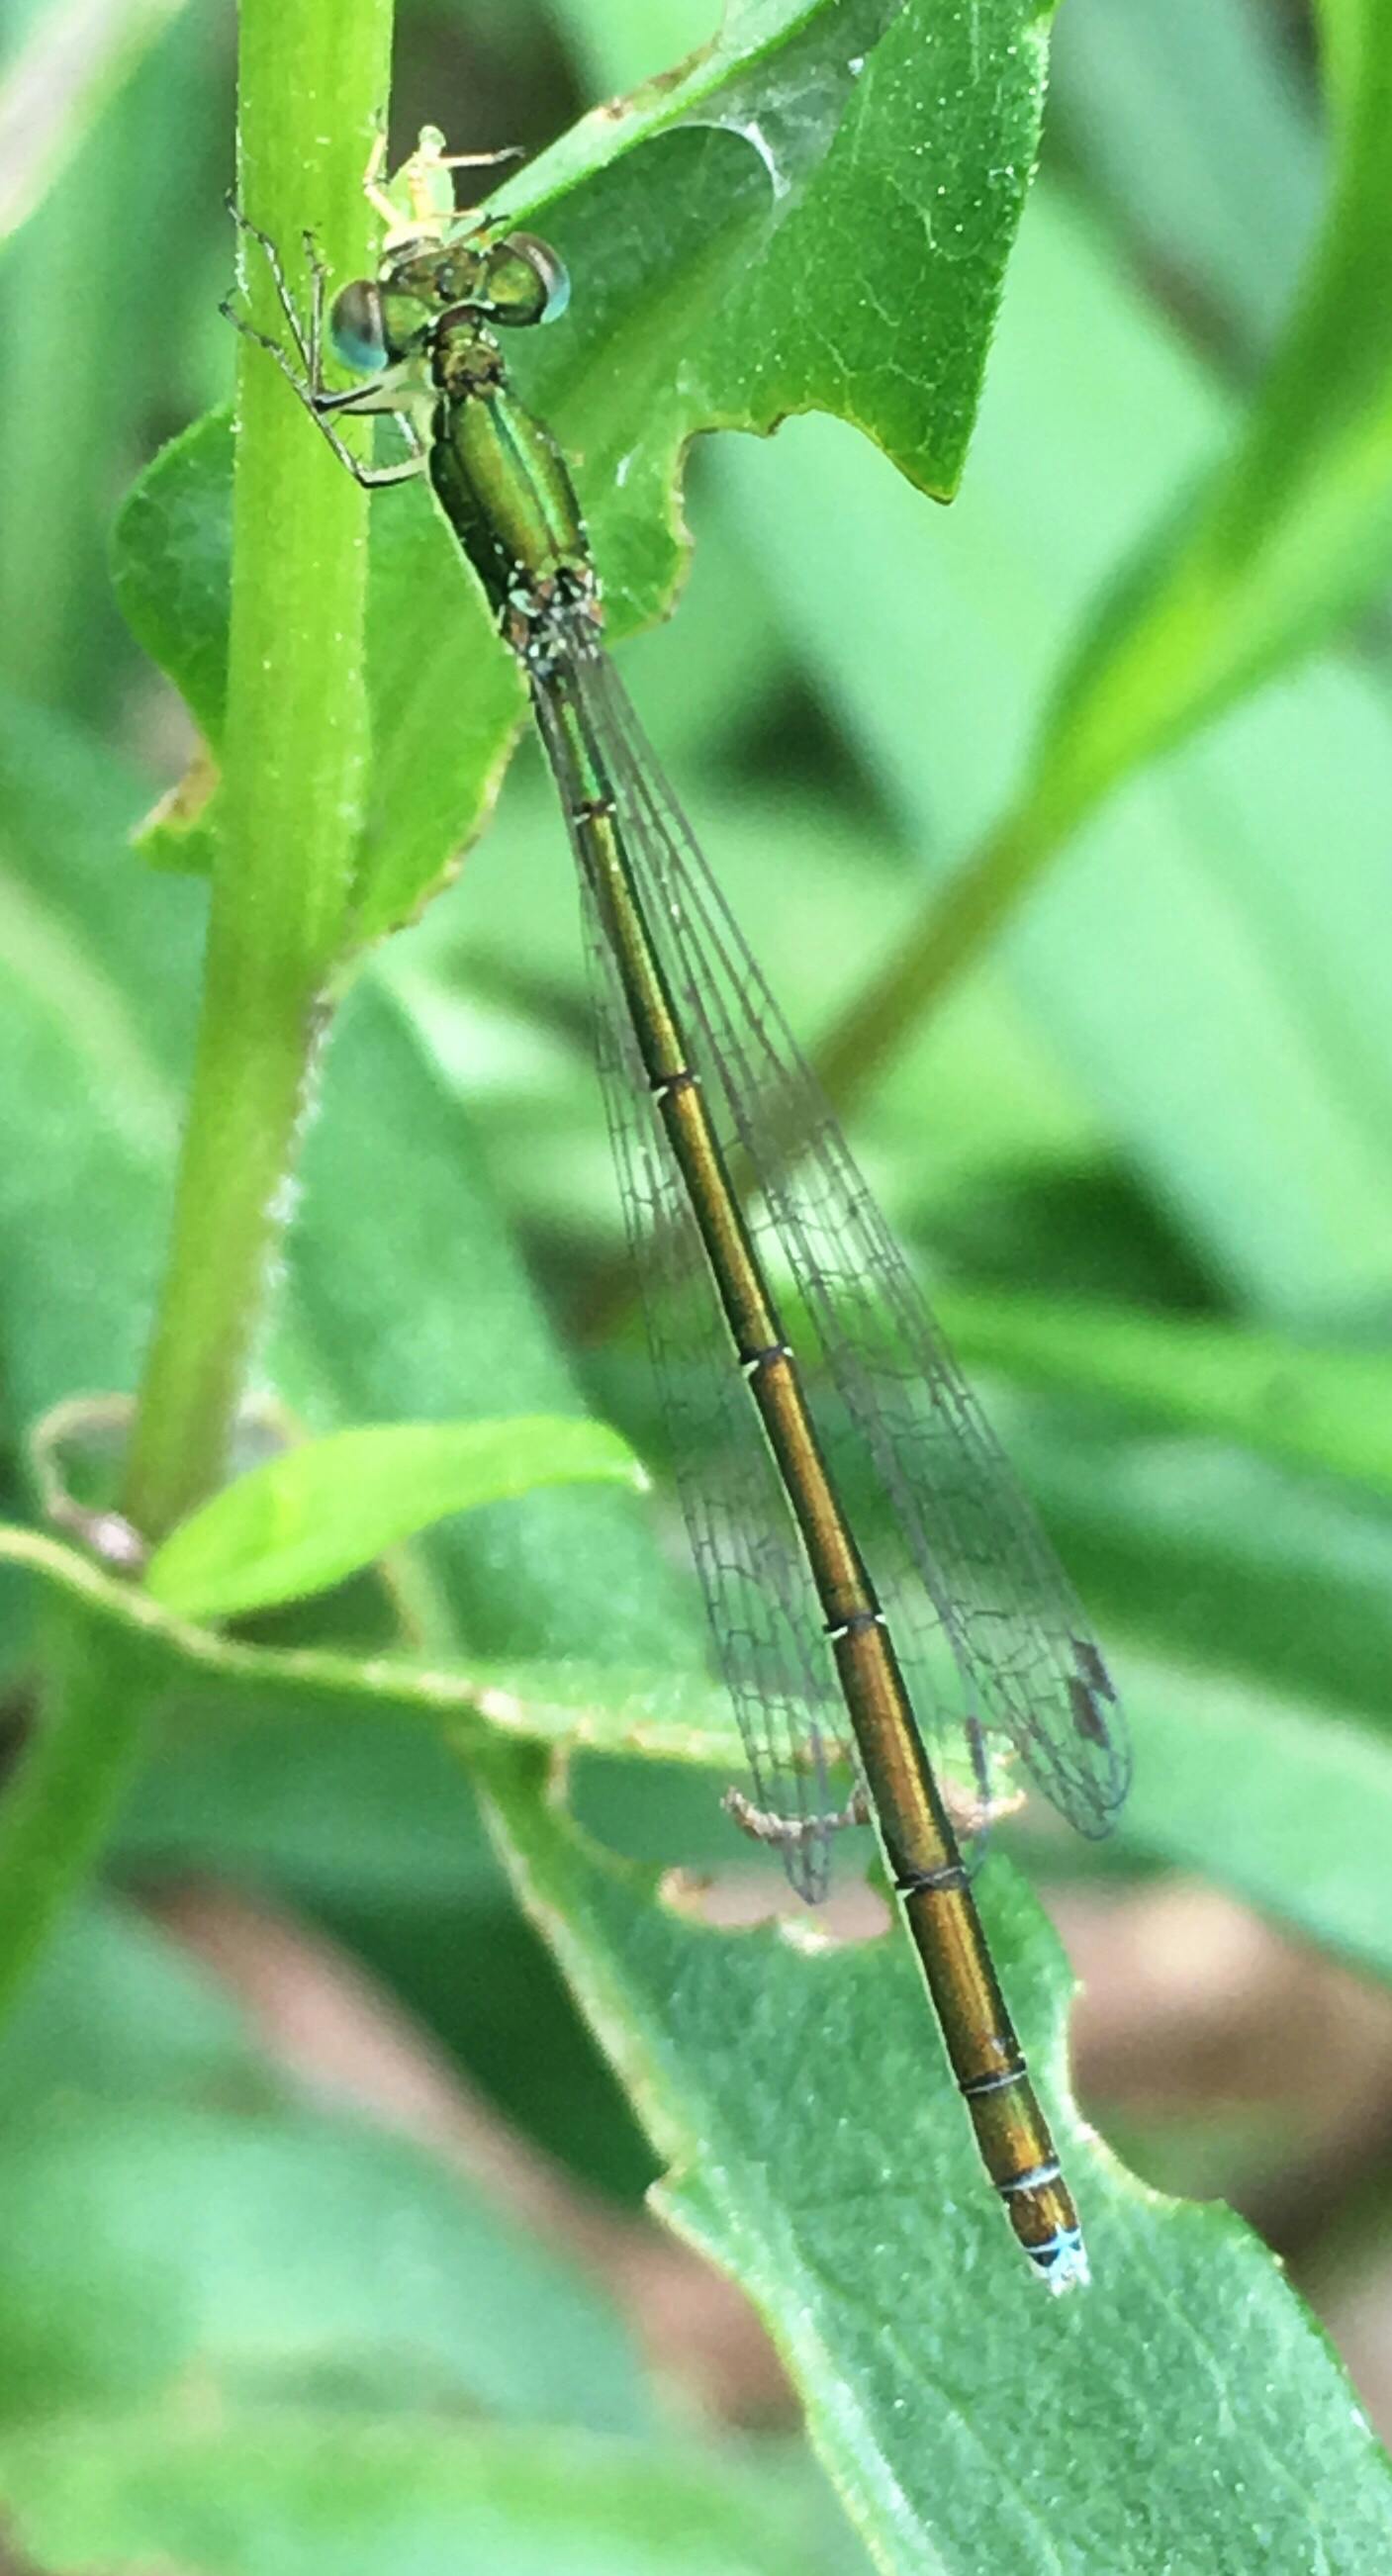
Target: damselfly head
509	283
526	281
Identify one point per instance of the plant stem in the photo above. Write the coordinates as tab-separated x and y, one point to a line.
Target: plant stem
313	79
954	926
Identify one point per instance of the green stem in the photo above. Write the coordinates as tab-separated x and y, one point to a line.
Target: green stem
954	926
313	79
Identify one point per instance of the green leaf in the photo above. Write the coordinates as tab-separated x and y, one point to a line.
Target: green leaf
90	89
568	1704
1324	1784
712	2033
1205	149
321	1512
446	700
1295	531
1284	1803
275	2255
55	87
817	2152
403	1283
405	1290
280	2256
883	150
172	563
334	2495
114	2010
87	1729
1319	1408
97	976
1215	1557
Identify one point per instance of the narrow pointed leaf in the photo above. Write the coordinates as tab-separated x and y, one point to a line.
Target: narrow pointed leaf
319	1513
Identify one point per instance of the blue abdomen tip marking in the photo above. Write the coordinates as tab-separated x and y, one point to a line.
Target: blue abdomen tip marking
1063	2262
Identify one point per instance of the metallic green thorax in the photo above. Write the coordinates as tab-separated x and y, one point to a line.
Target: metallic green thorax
503	485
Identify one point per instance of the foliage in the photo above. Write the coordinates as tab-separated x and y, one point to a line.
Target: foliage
1168	1088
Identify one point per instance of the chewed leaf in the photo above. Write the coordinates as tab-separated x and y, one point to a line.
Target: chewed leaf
1212	2427
321	1512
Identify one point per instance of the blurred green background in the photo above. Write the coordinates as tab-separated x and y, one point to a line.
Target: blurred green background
1162	1086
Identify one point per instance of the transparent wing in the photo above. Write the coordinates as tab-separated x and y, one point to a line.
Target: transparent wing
995	1648
763	1611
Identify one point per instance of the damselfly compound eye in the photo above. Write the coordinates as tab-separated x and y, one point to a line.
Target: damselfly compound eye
527	281
551	271
356	328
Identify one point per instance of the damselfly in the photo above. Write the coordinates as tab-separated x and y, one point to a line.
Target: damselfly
818	1376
